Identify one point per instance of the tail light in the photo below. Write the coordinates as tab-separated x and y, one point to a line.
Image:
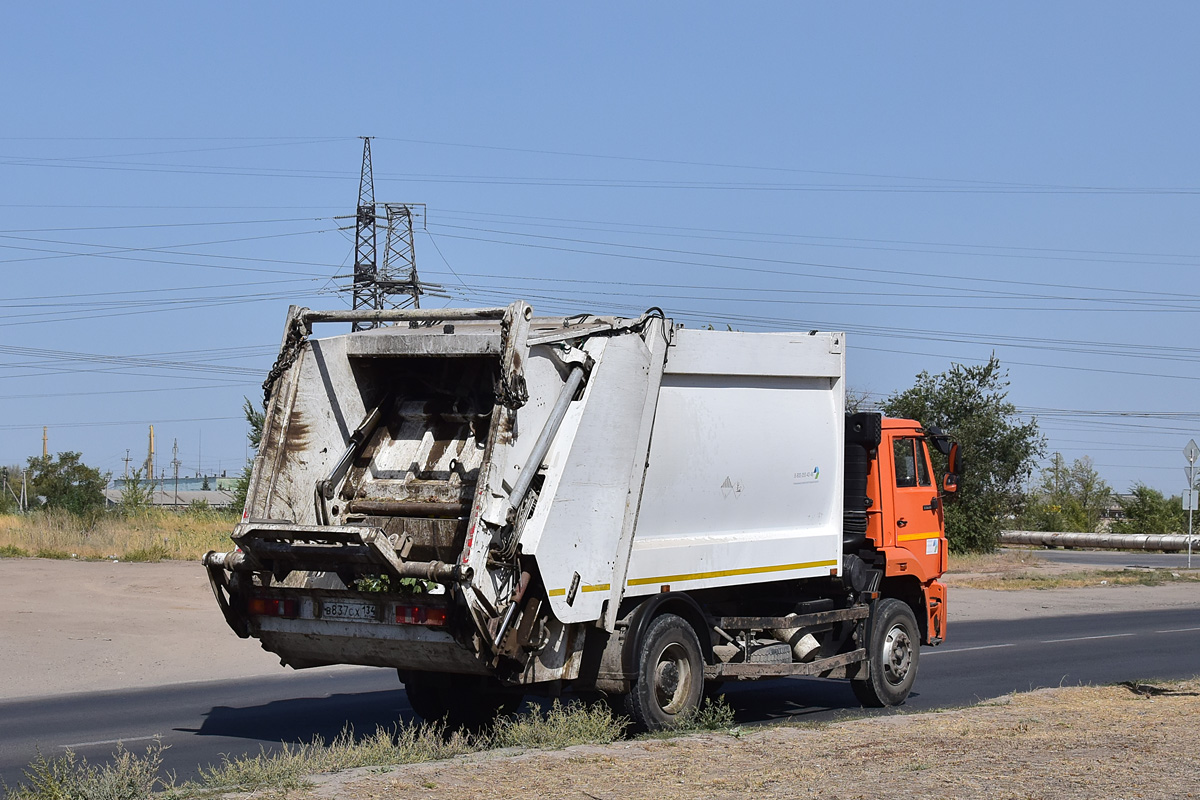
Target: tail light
267	607
420	615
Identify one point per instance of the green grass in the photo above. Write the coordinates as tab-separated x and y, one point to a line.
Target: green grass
12	551
560	726
46	552
155	552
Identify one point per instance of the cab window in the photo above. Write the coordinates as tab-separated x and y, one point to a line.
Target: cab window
912	467
922	464
906	463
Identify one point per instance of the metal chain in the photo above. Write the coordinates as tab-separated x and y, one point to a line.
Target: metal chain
288	354
509	393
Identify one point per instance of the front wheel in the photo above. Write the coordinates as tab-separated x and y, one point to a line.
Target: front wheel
893	650
670	674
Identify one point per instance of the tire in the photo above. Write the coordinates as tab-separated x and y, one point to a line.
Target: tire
459	702
670	674
893	651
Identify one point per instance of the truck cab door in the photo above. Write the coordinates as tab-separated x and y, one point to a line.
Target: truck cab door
918	513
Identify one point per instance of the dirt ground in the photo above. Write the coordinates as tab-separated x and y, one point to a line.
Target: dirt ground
1109	742
78	626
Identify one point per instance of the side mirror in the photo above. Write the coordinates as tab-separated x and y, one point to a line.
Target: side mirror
954	463
954	468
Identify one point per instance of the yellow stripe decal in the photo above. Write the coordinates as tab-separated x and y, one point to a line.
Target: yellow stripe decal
726	573
908	537
592	587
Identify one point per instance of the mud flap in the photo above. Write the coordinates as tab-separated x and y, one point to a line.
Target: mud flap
219	581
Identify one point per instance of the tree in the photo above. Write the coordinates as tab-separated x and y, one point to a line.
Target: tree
858	400
255	419
999	449
136	495
1067	499
1148	511
67	483
10	489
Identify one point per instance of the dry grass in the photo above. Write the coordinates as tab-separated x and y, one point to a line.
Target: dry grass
1074	579
148	536
992	563
1011	581
1113	742
1011	570
132	777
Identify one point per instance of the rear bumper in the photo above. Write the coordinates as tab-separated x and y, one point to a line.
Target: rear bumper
304	643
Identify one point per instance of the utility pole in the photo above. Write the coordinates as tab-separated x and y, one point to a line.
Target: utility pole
45	443
126	459
24	504
150	460
1191	452
5	485
175	463
365	290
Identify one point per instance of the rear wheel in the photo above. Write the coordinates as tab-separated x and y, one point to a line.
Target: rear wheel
670	674
893	650
460	702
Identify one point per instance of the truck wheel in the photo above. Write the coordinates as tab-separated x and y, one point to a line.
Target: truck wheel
459	704
893	649
670	674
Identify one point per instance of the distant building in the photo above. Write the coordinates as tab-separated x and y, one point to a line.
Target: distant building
219	495
215	482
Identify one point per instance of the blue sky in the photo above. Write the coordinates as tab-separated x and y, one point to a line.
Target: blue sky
941	181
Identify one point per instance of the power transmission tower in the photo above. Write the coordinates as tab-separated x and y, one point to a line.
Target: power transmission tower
399	286
398	276
365	289
394	284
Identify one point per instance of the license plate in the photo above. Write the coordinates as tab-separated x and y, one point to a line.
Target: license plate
349	611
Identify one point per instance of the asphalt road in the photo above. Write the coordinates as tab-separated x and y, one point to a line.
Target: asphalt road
202	721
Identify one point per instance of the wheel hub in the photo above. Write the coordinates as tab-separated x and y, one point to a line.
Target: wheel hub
672	676
897	655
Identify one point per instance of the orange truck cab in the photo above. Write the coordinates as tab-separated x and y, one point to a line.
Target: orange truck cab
905	524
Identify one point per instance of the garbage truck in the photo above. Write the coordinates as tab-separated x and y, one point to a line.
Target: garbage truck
497	504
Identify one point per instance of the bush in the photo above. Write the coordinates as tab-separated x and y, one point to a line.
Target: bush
1148	511
561	726
69	777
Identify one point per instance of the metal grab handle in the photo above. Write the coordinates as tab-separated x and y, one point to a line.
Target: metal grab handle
308	317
